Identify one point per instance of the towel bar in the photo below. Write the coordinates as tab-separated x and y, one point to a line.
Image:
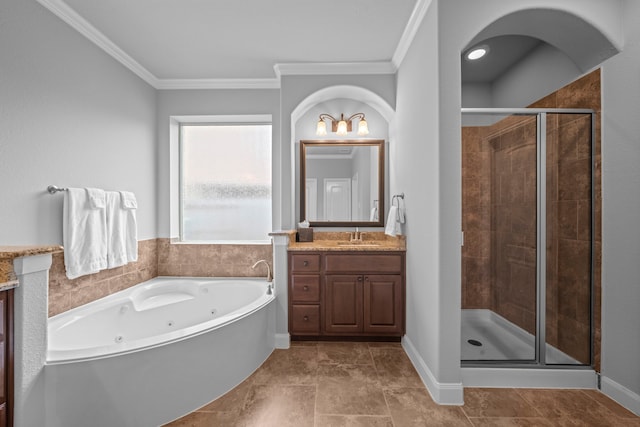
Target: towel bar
53	189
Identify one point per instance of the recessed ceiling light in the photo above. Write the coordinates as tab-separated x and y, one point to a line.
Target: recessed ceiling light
477	52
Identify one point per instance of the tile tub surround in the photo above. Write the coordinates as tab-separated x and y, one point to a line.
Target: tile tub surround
156	257
484	283
65	294
374	384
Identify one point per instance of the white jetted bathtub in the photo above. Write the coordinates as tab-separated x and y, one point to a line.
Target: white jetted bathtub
156	351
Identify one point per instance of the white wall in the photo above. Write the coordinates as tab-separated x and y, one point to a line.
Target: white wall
621	212
428	153
212	102
71	116
543	71
293	91
415	165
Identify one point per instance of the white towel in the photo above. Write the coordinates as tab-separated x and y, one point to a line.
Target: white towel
116	231
97	198
84	233
130	204
393	225
373	215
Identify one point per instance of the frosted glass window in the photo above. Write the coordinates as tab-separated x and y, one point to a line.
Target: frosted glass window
225	188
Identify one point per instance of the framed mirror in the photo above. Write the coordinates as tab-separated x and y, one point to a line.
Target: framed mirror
342	183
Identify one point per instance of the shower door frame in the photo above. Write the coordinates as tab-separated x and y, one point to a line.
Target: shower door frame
541	238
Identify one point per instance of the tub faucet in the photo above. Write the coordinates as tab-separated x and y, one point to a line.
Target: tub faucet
269	275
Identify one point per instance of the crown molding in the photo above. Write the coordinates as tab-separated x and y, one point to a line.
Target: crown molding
333	68
419	11
71	17
218	84
68	15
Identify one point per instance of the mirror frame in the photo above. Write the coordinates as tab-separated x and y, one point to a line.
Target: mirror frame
381	175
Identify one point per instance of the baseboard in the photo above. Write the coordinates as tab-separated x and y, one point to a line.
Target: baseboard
528	378
282	341
441	393
620	394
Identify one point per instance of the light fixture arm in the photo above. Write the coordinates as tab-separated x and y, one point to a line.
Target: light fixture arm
334	122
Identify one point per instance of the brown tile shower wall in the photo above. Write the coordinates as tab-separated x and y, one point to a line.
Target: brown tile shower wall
65	294
568	239
477	291
156	257
511	242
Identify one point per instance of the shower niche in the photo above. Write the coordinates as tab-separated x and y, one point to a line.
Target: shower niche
528	223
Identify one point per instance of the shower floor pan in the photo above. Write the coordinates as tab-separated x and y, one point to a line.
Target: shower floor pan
489	336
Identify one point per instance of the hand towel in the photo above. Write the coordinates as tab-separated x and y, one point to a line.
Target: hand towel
84	234
373	215
97	198
116	231
130	204
393	226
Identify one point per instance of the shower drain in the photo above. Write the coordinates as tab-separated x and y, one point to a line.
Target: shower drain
475	342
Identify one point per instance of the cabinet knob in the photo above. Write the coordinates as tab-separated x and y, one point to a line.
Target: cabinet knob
359	278
305	318
305	263
305	287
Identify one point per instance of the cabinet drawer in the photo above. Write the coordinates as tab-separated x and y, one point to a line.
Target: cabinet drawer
305	288
305	319
356	263
305	263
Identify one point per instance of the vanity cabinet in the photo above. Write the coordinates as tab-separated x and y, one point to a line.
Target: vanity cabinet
346	293
6	356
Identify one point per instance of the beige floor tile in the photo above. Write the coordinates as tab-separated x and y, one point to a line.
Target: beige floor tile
414	407
511	422
356	353
297	365
496	402
574	404
394	368
610	404
349	390
278	406
206	419
352	421
231	401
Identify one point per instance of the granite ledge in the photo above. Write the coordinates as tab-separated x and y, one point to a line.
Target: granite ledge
339	241
8	277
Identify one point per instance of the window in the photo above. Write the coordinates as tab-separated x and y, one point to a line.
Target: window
225	183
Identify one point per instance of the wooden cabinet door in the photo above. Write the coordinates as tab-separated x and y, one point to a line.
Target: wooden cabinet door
343	304
383	303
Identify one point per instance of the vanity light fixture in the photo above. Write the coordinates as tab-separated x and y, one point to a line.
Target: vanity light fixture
342	126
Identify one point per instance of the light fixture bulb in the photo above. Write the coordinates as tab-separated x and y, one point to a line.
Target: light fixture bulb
342	127
321	128
477	53
363	128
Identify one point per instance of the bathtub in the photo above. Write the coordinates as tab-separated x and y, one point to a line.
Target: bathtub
154	352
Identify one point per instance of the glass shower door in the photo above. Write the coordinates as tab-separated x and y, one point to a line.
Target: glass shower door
499	199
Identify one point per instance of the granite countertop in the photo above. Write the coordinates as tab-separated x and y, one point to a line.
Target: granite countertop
372	241
8	277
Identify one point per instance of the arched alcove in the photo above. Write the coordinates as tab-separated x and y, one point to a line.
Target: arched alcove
336	100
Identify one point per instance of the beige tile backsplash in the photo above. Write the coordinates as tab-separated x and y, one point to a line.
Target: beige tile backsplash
156	257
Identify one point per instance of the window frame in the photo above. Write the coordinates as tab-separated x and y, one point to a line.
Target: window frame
240	120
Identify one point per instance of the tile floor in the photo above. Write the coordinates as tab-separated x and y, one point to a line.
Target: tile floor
375	384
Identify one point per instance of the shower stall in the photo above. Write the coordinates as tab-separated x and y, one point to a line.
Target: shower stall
528	238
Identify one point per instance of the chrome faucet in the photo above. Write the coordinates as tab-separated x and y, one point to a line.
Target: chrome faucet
355	236
269	275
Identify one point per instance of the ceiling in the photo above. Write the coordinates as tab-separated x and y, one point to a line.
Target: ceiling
238	39
504	53
250	43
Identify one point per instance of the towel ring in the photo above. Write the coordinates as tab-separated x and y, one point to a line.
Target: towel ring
396	198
